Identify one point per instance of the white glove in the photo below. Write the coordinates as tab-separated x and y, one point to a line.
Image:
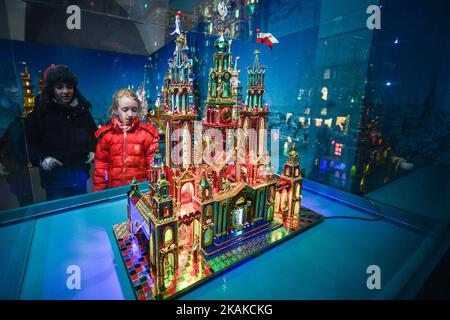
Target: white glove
91	156
2	170
49	163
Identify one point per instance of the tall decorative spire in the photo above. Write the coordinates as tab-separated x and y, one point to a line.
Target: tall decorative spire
235	69
256	63
177	110
177	91
255	83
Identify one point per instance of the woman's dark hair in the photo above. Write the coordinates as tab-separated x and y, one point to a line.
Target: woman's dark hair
53	75
59	73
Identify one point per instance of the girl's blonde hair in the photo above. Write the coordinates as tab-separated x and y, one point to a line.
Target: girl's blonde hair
126	92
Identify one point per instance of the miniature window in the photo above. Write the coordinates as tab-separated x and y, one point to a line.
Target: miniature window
277	201
168	236
226	88
183	101
166	211
213	87
271	193
297	207
284	200
270	213
152	244
209	212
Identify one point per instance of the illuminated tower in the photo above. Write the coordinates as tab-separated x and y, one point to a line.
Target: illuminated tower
291	197
28	96
163	225
219	107
254	118
220	100
157	169
177	103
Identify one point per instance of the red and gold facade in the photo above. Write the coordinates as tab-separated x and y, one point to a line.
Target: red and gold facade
203	201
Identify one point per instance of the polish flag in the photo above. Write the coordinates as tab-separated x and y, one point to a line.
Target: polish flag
267	38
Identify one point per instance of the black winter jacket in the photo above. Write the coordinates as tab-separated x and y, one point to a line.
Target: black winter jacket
65	133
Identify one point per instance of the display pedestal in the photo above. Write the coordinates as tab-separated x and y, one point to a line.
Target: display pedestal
192	271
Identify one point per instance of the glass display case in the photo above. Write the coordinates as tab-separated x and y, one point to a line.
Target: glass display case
341	110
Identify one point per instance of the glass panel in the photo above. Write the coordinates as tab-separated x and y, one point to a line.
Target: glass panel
367	109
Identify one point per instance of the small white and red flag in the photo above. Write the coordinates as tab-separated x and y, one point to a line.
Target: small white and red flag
266	38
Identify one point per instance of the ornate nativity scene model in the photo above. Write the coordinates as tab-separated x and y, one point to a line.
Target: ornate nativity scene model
198	219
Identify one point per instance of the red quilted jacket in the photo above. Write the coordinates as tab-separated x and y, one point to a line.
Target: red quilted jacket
122	156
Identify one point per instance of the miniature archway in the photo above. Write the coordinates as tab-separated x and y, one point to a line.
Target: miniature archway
209	212
297	191
184	236
152	250
271	194
166	211
284	200
277	202
208	237
241	210
297	207
169	266
184	100
172	101
176	92
187	192
226	85
168	236
213	85
196	229
270	213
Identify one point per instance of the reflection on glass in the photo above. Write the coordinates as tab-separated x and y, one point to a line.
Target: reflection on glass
363	107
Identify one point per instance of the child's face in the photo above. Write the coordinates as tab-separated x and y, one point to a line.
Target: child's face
63	92
127	110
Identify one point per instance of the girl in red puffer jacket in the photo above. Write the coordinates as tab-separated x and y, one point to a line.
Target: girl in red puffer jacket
126	147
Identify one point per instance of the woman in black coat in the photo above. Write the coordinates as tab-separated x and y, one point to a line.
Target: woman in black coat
60	134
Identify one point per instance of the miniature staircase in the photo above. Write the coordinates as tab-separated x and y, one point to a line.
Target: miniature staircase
237	238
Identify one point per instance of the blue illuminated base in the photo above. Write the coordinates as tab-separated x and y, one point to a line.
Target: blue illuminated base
210	263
